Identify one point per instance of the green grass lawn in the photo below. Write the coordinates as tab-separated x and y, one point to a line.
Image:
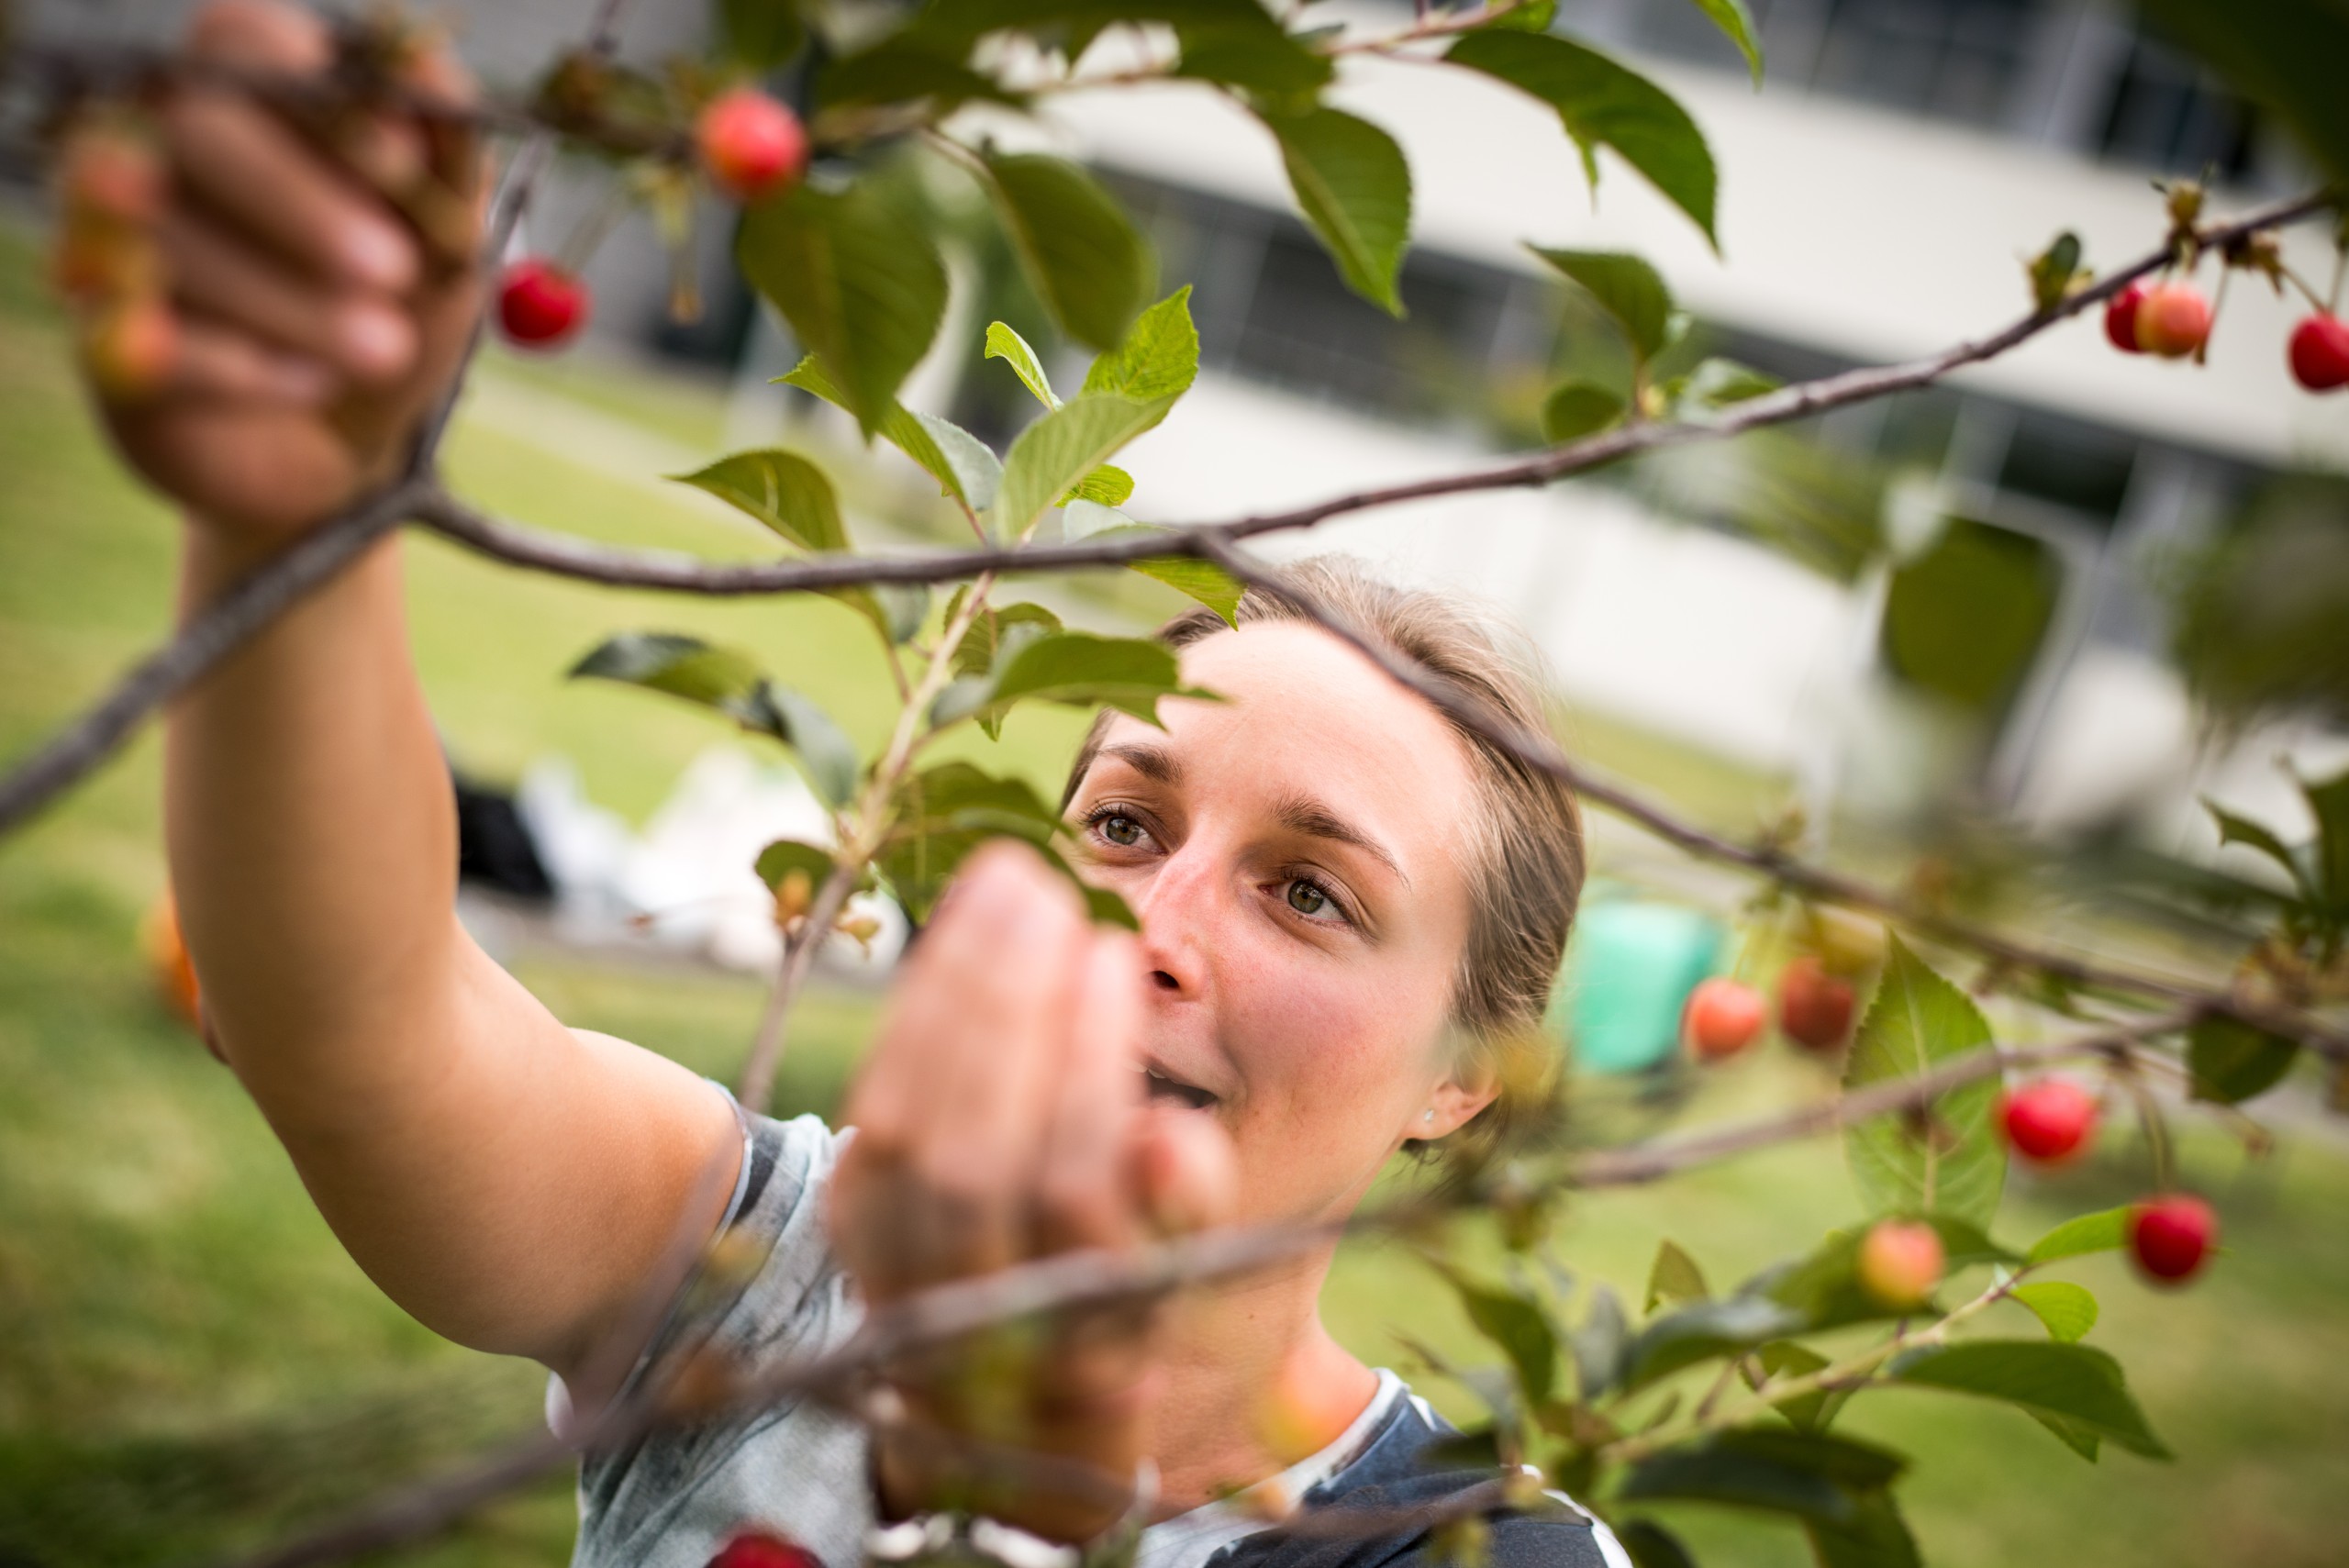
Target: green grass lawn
187	1360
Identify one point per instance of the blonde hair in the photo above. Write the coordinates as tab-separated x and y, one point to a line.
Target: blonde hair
1525	848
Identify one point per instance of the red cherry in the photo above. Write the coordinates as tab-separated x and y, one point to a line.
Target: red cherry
756	1549
2049	1121
752	146
2321	352
2171	1236
2173	320
2120	318
1901	1260
1721	1018
540	305
1814	1007
130	349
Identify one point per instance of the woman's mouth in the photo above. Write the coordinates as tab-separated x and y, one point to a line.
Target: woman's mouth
1159	1088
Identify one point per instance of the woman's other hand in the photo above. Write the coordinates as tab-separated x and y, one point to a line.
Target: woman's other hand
1001	1118
316	280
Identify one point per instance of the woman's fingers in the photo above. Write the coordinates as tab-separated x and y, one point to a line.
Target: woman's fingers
250	168
951	1108
1084	1196
1185	1169
213	362
217	275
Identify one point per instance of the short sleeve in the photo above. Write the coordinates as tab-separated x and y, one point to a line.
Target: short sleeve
670	1498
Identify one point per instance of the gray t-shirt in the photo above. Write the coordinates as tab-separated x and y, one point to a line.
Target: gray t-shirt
796	1470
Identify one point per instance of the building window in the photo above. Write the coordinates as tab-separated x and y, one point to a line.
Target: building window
2167	113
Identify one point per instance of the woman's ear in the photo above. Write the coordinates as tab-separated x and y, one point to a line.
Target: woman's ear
1453	1103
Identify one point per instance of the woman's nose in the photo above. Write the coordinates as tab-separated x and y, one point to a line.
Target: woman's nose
1178	910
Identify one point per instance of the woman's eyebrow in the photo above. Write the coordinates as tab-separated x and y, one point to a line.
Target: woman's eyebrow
1302	813
1153	762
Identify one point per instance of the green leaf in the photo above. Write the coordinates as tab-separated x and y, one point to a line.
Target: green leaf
791	495
1809	1412
1159	359
1946	1158
1202	580
2071	1434
1107	907
732	683
781	489
2053	269
761	34
1576	408
958	459
858	276
1874	1537
1107	485
2232	1062
2067	1310
1080	251
1078	670
1702	1332
1603	104
993	629
943	813
1519	1327
2106	1230
1733	18
1009	346
2075	1383
1058	451
2235	830
1267	62
2329	804
1601	1344
1716	384
785	856
900	69
1649	1545
1674	1276
1810	1475
1528	16
1354	188
1632	292
825	749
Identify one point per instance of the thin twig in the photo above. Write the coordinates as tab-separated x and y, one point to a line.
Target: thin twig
756	1085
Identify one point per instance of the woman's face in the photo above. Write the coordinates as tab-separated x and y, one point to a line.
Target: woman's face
1295	855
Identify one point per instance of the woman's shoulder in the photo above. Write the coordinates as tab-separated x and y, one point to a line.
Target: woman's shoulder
1404	1468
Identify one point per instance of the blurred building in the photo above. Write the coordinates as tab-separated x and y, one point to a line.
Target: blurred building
1879	194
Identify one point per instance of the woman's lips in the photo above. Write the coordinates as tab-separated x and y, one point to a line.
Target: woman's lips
1159	1087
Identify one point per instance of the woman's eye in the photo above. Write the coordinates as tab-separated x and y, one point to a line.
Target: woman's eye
1308	899
1123	831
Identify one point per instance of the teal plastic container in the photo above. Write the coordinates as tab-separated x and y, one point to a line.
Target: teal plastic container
1627	973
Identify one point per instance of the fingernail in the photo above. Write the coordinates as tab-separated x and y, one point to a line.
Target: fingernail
374	342
377	253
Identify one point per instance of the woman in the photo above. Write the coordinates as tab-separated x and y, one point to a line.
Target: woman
1335	885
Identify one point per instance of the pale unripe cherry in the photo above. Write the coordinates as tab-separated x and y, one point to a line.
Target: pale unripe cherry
2319	352
130	347
2050	1120
1300	1415
1721	1017
1900	1264
751	146
2173	320
2170	1236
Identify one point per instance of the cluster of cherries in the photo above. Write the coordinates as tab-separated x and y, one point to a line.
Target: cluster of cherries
2173	320
751	147
2049	1121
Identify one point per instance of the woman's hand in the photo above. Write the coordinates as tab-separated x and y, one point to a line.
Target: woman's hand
1000	1119
316	275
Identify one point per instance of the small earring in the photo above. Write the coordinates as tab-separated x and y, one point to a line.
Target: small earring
1427	1116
